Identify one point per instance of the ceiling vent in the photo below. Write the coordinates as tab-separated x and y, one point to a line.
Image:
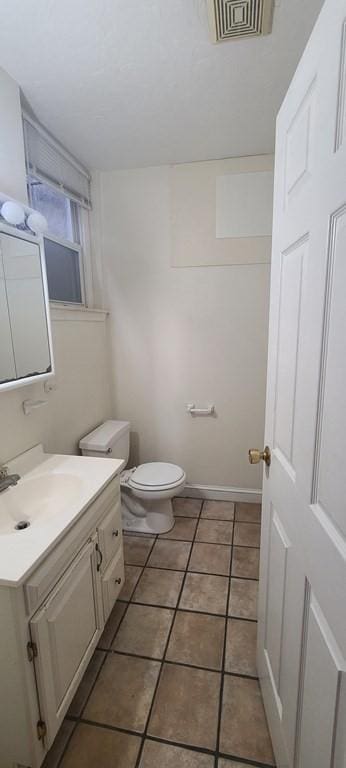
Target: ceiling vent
234	19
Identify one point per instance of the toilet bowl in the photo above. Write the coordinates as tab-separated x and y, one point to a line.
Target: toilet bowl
147	493
146	490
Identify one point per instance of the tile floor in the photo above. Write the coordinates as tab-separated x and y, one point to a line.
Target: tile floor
173	681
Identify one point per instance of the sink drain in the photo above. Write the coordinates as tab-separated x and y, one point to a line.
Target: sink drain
22	525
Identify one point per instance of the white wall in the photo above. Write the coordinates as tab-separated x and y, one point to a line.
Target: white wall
82	397
80	402
12	159
181	334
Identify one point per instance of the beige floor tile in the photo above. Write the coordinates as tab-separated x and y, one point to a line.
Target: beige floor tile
159	587
183	529
170	554
248	513
245	562
132	574
197	639
144	631
204	593
218	510
210	558
111	627
215	531
89	677
94	747
247	535
157	755
186	706
186	507
136	549
123	692
243	599
244	730
53	757
241	647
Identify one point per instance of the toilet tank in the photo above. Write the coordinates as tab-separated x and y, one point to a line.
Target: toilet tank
112	438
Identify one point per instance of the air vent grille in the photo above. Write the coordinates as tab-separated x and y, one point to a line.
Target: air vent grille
231	19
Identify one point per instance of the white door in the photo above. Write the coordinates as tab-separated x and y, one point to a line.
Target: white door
302	606
66	630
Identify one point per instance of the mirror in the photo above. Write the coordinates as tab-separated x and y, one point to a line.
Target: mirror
25	338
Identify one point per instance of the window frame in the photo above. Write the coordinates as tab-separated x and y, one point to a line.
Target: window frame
81	227
78	248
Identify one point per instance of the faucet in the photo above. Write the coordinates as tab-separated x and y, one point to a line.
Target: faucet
6	480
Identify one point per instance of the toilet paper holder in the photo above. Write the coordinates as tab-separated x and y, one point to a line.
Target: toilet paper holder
209	411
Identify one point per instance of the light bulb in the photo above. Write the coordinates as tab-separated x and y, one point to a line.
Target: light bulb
37	223
13	213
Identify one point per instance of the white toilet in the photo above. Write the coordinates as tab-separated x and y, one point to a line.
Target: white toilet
147	490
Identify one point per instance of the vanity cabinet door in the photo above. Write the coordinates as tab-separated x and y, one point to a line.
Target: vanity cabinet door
110	534
112	583
66	630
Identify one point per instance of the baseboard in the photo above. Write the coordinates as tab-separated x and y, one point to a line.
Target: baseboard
222	493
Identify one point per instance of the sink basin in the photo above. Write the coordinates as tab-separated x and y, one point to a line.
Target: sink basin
36	499
53	492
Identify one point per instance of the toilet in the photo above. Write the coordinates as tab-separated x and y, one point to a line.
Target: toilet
146	490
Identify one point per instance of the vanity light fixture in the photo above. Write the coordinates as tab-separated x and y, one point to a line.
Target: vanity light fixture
13	213
37	223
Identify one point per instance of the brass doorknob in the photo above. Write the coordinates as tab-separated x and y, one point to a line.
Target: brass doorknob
255	456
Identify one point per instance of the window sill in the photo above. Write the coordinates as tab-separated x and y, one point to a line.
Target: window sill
69	312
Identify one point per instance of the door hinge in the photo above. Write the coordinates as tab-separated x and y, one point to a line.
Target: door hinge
31	649
41	730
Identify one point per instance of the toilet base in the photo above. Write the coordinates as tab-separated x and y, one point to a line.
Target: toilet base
159	517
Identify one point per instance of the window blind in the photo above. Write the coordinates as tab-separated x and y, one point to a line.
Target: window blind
49	162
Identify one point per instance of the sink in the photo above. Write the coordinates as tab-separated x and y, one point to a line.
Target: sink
36	499
53	492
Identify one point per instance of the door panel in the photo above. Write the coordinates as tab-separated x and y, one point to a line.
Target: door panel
278	550
319	703
299	147
302	618
291	278
330	490
66	630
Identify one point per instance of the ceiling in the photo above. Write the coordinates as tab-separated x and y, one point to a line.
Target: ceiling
129	83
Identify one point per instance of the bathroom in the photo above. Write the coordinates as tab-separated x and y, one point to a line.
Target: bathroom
150	615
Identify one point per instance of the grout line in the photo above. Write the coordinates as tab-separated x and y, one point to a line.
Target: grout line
139	757
176	663
204	541
218	732
187	610
200	573
244	761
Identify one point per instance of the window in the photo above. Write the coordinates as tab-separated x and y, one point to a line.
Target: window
59	188
64	263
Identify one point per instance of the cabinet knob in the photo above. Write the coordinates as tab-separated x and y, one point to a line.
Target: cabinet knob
115	533
117	581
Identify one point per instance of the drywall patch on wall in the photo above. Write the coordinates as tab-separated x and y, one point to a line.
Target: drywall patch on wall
244	204
198	203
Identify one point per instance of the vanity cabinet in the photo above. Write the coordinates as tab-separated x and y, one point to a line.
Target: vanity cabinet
64	632
57	617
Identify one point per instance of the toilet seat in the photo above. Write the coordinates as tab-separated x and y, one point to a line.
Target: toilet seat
156	476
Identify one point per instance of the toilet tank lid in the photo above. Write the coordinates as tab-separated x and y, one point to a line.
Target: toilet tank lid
105	436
